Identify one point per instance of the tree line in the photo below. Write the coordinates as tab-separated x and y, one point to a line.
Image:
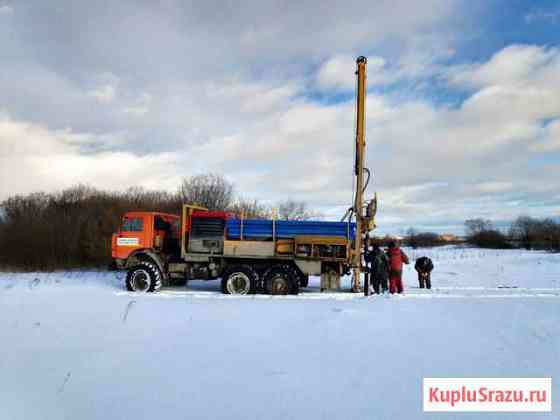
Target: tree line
416	239
524	232
73	228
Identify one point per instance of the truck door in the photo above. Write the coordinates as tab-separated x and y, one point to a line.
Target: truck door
132	236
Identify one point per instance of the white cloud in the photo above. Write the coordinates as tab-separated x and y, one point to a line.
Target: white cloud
34	158
494	187
140	106
421	58
496	133
514	92
106	87
550	138
338	72
539	15
104	94
429	162
514	65
6	9
304	149
262	130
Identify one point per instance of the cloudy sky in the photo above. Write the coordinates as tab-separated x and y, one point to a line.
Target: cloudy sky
463	108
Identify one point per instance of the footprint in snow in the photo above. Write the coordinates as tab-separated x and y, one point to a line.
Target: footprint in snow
127	310
66	379
275	373
34	283
541	334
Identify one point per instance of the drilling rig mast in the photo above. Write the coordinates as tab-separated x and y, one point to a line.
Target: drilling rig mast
364	222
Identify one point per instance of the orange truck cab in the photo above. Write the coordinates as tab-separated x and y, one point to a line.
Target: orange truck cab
146	231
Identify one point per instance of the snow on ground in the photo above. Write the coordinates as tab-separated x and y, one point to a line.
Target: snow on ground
75	345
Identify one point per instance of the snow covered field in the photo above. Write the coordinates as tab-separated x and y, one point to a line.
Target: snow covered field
75	345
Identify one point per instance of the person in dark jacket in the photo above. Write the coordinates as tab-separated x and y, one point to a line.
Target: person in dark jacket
397	258
379	268
424	267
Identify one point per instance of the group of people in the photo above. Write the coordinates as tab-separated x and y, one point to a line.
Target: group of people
385	268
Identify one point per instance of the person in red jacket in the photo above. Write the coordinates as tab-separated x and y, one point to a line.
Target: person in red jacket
396	260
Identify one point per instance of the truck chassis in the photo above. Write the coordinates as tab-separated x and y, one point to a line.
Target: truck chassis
273	265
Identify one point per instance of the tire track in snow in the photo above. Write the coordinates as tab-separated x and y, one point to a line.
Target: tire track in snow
66	379
451	293
127	310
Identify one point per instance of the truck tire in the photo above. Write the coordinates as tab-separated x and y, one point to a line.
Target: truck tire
239	279
281	279
304	280
144	277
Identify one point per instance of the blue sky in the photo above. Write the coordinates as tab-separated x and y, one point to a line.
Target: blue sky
463	114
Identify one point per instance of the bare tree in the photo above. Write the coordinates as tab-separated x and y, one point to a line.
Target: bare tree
476	226
250	209
71	228
552	234
531	233
411	238
522	231
208	190
296	210
481	232
417	239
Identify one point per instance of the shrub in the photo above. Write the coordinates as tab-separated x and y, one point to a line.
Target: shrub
490	239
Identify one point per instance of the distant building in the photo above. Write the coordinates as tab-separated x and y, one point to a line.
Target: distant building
447	237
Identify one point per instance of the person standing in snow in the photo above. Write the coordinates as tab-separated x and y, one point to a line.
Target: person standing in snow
424	267
397	258
379	268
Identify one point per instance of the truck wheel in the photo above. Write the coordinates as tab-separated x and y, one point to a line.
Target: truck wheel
144	277
297	280
281	280
239	280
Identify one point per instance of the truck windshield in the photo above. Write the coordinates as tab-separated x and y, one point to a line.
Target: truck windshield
133	224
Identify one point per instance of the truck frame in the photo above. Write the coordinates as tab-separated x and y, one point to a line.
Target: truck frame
275	265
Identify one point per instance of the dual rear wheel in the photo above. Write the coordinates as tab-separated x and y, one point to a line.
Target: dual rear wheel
281	279
239	279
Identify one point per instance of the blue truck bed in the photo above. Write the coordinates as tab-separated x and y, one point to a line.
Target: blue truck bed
262	229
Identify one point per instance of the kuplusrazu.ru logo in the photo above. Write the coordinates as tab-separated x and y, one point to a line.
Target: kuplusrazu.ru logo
487	394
